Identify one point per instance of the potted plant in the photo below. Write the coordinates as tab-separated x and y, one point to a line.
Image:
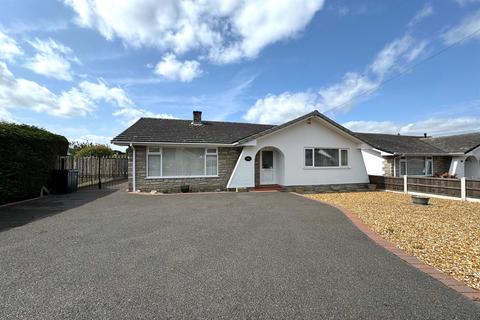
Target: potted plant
185	188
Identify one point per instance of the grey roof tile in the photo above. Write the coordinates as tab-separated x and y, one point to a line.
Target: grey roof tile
458	143
183	131
399	144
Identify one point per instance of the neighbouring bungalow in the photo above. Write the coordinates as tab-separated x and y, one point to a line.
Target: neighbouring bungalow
399	155
312	152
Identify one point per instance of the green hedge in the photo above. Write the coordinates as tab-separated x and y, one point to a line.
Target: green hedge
28	156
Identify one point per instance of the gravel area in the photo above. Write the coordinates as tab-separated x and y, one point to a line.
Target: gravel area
444	234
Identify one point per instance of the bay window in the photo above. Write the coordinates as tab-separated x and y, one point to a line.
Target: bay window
325	157
171	162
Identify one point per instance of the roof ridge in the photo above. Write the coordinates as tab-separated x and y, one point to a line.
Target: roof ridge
456	135
212	121
391	134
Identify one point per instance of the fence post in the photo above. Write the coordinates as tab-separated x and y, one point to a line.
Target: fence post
405	184
99	173
463	186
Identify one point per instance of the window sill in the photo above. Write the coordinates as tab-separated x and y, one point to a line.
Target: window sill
179	177
323	168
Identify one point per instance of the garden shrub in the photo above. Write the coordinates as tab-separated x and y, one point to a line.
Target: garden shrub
27	158
92	150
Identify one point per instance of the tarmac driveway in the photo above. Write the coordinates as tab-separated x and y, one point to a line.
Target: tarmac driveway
106	255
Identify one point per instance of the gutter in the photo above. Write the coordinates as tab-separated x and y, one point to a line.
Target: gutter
130	143
429	154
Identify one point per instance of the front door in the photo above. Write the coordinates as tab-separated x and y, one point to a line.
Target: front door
267	170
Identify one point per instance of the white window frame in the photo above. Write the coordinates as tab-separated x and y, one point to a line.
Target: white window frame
341	158
205	161
405	159
156	154
402	159
330	167
428	159
205	153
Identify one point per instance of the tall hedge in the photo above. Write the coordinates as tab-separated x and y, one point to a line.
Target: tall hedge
27	158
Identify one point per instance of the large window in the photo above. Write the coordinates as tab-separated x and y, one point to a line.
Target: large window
181	162
324	158
416	166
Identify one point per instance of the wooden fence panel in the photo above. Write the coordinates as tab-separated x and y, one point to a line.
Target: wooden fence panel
387	183
440	186
473	188
91	169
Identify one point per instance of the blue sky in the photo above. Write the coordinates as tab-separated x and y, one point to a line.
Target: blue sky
88	69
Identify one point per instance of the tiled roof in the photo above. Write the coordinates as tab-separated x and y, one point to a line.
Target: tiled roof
400	144
183	131
457	143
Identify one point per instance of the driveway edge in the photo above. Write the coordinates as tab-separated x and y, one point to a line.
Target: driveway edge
446	279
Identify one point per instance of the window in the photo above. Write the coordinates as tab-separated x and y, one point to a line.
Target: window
267	159
403	166
320	157
211	162
154	160
308	157
182	162
344	157
429	167
416	166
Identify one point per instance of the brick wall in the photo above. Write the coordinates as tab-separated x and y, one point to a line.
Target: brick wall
227	158
388	166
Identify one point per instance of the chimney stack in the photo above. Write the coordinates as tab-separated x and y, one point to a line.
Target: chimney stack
197	117
425	135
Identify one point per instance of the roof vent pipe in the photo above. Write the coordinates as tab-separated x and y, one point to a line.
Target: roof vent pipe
197	117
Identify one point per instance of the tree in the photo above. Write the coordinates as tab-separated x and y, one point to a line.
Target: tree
88	149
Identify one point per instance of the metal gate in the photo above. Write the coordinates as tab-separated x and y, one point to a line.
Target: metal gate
97	172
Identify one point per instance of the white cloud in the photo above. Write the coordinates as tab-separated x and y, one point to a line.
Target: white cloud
468	26
345	94
9	48
279	108
5	115
126	108
101	91
390	57
172	69
224	31
432	126
78	101
51	59
425	12
340	96
463	3
22	93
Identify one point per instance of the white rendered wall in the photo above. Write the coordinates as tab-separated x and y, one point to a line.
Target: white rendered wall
457	167
473	170
291	142
373	162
